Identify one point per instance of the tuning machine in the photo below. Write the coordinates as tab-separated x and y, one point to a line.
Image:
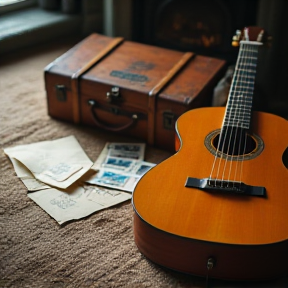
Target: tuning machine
236	38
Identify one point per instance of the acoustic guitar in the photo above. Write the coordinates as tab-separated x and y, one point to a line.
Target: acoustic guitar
219	206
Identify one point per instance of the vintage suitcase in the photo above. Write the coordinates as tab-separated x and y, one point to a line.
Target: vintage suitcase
129	88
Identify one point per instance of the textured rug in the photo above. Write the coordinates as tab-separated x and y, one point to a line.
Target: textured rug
97	251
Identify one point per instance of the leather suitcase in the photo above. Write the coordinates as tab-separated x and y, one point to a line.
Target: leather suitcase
129	88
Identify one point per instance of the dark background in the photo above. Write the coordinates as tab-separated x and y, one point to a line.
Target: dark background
183	24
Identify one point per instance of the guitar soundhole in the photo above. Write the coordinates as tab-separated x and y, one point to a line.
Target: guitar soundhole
235	144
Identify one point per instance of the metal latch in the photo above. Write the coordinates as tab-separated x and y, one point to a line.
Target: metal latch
61	93
169	120
113	94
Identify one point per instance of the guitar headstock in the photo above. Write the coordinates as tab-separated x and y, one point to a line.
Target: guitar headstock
250	34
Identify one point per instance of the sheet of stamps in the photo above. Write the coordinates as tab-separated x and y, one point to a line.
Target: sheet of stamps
120	178
120	155
120	166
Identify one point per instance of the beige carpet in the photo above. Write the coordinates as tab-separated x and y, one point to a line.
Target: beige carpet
97	251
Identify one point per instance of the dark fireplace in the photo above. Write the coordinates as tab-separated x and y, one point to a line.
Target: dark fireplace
202	26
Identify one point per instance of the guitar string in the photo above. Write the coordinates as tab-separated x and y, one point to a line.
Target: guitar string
239	129
244	97
245	69
218	151
241	102
253	55
249	56
235	120
234	103
231	120
222	131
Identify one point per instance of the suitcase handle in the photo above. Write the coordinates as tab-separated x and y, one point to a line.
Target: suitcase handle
133	116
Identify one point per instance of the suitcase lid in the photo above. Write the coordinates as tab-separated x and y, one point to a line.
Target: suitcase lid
81	54
133	66
194	78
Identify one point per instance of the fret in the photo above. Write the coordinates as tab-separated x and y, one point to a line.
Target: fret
245	74
249	78
239	102
239	105
248	54
240	88
244	80
238	125
238	98
242	94
237	122
238	118
244	86
250	49
251	43
236	112
245	102
249	57
242	91
237	93
248	64
241	97
240	112
246	70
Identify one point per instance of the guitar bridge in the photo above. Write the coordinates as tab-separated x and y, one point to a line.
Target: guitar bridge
234	187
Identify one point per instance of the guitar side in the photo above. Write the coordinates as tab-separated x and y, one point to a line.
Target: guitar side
181	227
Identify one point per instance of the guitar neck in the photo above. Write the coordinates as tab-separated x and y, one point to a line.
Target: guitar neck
240	99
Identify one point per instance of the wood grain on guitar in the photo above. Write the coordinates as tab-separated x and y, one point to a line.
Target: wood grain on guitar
229	153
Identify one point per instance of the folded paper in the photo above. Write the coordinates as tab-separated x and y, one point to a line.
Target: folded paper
58	163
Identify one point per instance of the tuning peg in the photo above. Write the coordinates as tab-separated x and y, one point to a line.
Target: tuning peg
236	39
260	36
235	42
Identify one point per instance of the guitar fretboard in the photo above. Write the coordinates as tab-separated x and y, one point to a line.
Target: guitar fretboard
239	105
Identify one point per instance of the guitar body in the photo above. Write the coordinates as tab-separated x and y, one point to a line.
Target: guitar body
181	227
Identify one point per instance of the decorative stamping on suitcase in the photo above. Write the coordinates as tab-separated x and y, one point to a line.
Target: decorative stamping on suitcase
129	76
